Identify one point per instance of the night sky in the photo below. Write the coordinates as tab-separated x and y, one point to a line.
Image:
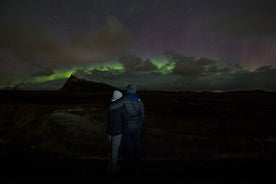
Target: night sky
215	45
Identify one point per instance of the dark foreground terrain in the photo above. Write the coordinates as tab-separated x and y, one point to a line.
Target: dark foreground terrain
30	164
223	137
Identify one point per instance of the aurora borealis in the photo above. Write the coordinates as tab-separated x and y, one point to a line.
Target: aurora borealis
216	45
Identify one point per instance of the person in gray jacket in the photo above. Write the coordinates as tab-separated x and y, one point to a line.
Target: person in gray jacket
114	131
134	113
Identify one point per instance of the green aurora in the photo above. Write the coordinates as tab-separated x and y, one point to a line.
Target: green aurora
162	67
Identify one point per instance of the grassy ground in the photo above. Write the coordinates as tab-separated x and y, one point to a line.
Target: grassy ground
194	129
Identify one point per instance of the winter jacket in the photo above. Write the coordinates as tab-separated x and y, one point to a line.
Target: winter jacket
133	110
115	120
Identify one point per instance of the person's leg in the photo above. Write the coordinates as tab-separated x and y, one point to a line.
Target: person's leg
109	153
116	141
137	144
137	149
127	145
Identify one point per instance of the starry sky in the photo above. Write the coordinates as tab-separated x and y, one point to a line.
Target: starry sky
195	45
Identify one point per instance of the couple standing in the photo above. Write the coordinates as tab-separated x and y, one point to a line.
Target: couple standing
125	118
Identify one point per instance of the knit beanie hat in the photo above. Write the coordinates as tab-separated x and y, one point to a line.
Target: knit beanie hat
116	95
131	88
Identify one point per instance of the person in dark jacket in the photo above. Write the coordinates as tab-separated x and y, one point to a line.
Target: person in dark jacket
114	132
134	113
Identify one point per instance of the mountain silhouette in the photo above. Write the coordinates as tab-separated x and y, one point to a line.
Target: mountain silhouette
81	85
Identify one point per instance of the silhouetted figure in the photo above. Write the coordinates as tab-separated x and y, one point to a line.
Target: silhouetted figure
114	132
134	113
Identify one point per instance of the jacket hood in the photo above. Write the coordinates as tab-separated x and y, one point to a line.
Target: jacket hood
131	88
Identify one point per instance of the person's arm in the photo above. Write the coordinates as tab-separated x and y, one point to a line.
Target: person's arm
116	104
142	110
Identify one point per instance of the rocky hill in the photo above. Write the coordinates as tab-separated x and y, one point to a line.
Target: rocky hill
76	84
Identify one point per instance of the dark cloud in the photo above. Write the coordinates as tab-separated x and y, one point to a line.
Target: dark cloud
100	75
147	66
27	42
238	80
191	66
263	78
23	46
198	67
189	73
175	57
256	80
205	61
43	72
130	62
215	69
192	73
264	68
184	65
187	68
133	63
110	39
37	45
144	81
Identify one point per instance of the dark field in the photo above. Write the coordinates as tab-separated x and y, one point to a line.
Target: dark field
196	135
